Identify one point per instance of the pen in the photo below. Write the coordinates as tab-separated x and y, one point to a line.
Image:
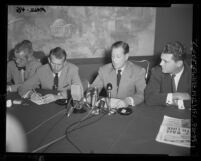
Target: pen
66	85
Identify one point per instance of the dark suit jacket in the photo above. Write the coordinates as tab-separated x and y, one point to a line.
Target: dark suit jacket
132	81
44	77
159	86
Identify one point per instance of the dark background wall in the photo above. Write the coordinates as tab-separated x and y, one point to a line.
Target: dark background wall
174	23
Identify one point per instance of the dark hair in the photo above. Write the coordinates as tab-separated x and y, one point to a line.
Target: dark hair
25	46
177	49
58	52
122	44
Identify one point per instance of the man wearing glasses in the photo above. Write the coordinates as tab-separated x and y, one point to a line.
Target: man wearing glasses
22	67
57	75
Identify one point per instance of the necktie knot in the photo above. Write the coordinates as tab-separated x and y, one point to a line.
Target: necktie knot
22	68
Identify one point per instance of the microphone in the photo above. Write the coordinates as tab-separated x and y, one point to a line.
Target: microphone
76	94
94	97
109	88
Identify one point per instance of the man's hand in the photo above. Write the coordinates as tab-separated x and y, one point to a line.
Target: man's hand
62	94
8	89
181	96
50	98
118	103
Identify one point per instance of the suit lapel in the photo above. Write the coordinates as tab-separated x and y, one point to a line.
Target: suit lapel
183	80
17	77
113	80
50	77
167	84
63	76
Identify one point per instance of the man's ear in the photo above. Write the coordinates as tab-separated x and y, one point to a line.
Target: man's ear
48	59
127	56
179	63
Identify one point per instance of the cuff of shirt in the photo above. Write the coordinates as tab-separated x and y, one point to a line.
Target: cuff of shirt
26	95
131	102
169	98
9	89
181	104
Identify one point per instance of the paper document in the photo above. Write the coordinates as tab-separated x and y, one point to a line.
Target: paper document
175	131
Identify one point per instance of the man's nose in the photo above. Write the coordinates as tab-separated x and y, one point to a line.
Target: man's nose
161	63
57	67
114	60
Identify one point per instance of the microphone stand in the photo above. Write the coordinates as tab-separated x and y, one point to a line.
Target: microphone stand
108	100
67	106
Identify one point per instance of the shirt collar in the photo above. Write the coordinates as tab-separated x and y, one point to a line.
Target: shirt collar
59	73
122	69
180	73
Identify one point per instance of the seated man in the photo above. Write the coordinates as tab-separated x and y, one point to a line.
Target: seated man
22	67
127	78
162	88
57	75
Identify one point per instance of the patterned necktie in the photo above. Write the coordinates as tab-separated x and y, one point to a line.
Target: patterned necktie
173	83
118	78
56	82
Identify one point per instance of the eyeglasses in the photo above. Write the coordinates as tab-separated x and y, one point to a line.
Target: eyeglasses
55	64
19	59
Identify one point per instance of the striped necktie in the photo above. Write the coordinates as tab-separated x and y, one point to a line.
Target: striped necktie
118	78
56	82
173	83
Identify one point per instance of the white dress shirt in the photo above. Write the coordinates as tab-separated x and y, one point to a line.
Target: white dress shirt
169	96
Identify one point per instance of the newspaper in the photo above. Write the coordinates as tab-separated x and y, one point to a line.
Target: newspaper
40	100
175	131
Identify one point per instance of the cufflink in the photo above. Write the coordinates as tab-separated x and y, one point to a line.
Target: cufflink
181	105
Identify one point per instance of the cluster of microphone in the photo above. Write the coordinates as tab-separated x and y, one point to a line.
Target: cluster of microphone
89	100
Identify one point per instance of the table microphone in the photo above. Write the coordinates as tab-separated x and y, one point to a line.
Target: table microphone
76	94
109	88
94	97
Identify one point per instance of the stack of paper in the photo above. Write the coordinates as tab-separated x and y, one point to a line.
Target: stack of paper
175	131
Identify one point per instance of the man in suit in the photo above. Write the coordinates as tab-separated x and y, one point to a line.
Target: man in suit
22	67
127	78
57	75
170	83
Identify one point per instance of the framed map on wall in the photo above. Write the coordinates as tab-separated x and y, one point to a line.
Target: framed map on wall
83	31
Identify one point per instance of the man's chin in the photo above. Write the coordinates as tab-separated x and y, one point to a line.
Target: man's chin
164	71
55	71
116	67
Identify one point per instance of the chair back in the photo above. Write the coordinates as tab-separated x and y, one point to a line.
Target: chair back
145	64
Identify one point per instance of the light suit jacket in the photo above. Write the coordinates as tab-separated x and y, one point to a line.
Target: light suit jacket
14	76
44	77
132	83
